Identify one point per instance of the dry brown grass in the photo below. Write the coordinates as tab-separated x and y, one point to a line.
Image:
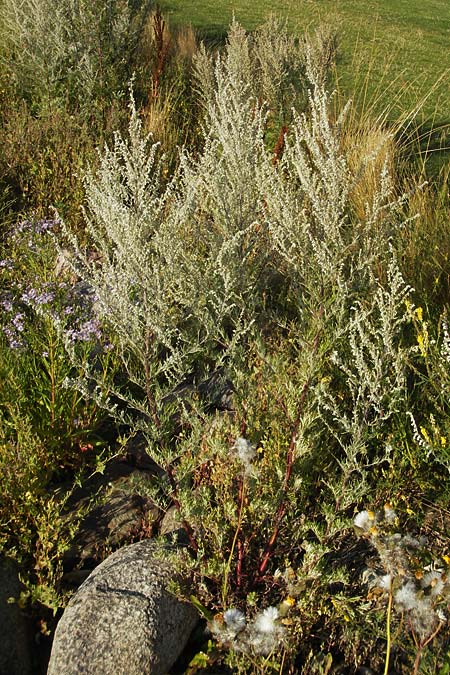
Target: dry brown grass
370	150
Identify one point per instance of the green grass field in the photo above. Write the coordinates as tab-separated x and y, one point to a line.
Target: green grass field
394	54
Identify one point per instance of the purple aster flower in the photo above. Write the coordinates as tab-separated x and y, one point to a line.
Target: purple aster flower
32	297
7	302
17	322
7	263
13	338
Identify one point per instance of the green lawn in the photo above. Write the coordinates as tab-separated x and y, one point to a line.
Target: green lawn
401	46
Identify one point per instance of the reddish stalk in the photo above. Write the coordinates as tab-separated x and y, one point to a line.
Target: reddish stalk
279	146
287	476
288	471
421	646
240	545
162	50
240	561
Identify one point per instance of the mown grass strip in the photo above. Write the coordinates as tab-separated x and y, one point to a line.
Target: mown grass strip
393	54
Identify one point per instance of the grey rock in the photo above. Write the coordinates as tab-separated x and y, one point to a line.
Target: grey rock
170	522
113	523
218	391
110	510
171	527
122	620
15	656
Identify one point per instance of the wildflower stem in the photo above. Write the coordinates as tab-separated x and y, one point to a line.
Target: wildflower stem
289	463
241	551
241	499
388	632
421	646
282	506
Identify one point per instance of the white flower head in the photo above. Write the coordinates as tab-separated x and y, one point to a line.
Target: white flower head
406	596
385	582
364	520
265	634
245	450
433	580
235	620
423	617
265	621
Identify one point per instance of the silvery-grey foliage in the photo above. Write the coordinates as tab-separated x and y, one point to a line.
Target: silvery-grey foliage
184	264
373	364
267	66
69	48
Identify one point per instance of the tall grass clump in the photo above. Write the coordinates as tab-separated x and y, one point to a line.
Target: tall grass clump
171	109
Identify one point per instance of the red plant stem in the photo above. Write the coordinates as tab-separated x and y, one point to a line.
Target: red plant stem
240	545
162	49
279	147
287	475
421	646
184	524
240	560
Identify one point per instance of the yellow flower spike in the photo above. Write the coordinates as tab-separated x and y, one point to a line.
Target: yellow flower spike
443	441
419	313
421	343
286	605
446	559
425	434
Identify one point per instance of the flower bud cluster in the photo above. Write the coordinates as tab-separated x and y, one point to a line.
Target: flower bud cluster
419	589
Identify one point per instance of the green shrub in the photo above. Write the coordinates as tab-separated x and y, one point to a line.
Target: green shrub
75	51
271	269
282	273
48	432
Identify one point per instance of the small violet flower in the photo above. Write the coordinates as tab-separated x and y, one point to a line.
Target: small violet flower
33	298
